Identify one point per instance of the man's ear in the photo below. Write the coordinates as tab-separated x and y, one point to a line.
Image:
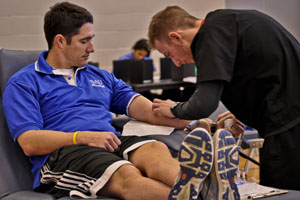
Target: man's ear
59	41
175	37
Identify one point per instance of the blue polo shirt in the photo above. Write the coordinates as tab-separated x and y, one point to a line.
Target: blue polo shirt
36	98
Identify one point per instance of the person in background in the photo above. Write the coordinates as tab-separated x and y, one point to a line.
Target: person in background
141	51
251	63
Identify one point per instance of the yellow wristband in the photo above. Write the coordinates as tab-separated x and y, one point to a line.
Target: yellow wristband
75	136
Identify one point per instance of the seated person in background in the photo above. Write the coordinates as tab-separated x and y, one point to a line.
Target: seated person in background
141	51
58	111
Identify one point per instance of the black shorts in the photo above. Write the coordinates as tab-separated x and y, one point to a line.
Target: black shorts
81	170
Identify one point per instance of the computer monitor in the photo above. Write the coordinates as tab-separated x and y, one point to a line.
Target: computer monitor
189	69
147	70
133	71
121	69
168	70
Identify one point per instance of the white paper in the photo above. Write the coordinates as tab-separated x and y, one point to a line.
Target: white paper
138	128
255	191
190	79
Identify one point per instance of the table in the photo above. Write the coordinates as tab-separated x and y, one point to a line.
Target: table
291	195
164	84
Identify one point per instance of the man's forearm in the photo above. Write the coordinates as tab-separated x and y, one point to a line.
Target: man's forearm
42	142
202	103
141	109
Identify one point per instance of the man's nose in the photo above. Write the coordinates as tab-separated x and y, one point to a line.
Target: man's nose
91	48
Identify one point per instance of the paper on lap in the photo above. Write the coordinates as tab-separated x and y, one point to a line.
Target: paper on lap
138	128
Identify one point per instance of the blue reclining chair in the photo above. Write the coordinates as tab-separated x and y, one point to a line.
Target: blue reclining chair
15	170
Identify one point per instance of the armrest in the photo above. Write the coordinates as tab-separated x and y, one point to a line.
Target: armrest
173	141
26	195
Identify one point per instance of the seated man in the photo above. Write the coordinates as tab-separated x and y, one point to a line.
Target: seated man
58	111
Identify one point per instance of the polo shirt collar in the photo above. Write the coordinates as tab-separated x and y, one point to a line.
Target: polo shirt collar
42	66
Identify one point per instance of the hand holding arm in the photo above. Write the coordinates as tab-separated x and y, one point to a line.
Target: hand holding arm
142	110
163	107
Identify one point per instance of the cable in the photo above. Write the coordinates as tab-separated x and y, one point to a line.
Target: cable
249	158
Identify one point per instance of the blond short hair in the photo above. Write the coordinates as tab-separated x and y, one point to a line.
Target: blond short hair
170	19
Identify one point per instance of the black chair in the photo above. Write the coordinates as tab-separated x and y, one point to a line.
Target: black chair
15	170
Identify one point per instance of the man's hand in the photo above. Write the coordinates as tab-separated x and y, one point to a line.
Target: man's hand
163	107
237	127
105	140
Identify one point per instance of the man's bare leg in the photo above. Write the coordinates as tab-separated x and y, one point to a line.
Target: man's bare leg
155	161
129	183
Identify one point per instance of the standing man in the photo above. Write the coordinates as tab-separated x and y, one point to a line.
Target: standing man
251	63
58	111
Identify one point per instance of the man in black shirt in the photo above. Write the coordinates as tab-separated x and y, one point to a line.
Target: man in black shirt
251	63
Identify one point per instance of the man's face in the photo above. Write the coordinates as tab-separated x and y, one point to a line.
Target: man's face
139	54
179	52
78	52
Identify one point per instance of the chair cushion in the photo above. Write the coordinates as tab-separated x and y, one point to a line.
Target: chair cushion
12	61
15	168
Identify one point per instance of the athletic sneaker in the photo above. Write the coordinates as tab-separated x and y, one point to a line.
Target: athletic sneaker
196	160
226	161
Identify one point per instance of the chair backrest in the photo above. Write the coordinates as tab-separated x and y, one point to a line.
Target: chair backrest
12	61
15	169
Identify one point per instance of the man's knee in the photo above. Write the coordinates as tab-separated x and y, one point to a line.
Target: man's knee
126	173
156	146
148	151
121	181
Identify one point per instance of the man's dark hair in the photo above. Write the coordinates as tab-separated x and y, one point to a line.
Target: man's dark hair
65	18
142	44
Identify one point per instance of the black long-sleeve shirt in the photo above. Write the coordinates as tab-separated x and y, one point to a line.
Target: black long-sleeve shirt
252	64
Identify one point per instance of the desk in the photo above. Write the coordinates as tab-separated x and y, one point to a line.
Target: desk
164	84
291	195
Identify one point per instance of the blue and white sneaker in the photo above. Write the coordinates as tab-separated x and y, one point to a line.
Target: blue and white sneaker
196	161
226	162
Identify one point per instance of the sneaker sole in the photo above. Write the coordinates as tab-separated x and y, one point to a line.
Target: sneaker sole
226	164
196	160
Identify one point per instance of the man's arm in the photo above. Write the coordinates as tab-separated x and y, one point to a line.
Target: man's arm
141	109
201	104
41	142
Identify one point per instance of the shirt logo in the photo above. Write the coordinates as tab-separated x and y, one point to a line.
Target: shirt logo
97	83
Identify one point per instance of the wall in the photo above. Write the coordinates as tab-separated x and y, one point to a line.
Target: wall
117	23
286	12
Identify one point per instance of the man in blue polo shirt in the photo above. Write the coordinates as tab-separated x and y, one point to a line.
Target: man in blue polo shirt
58	111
